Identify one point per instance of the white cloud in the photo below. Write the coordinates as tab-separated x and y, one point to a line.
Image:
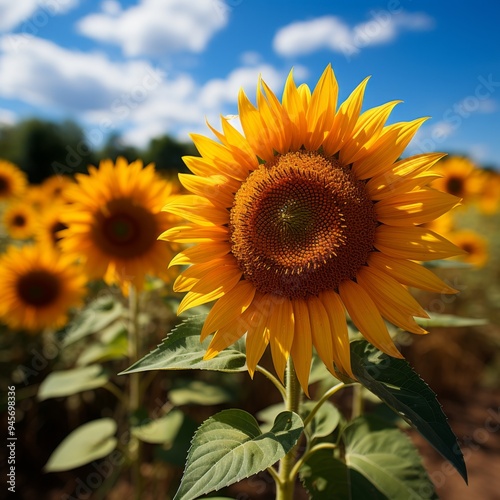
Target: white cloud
133	96
32	12
155	27
332	33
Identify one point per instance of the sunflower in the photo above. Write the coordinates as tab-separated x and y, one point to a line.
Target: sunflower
13	181
474	246
37	289
460	177
49	225
20	221
36	197
306	214
489	197
113	220
55	186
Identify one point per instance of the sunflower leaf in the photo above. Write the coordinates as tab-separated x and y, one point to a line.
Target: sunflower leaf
182	350
68	382
230	446
401	388
85	444
381	463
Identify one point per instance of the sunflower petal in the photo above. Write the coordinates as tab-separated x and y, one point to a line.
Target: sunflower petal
301	350
366	317
321	332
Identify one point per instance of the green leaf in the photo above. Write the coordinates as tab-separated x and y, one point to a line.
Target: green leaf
198	392
324	422
67	382
116	348
437	320
387	458
182	350
400	387
89	442
229	447
163	430
380	464
326	478
96	316
447	264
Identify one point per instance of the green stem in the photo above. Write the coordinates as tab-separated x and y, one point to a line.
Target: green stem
305	456
273	379
134	402
330	392
357	401
286	483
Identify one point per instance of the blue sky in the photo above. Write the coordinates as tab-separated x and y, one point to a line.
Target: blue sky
148	67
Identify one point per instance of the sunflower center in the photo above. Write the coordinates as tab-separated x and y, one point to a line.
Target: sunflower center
19	221
455	186
125	230
301	224
38	288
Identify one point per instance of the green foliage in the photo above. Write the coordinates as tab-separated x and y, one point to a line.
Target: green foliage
67	382
198	392
230	446
163	430
379	463
182	350
89	442
437	320
400	387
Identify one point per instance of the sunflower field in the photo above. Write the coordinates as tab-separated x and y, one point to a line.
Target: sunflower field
308	313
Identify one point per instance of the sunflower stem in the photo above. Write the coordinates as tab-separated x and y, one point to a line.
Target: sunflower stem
286	483
273	379
357	401
135	448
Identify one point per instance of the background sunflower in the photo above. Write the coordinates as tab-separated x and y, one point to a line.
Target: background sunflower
114	220
38	288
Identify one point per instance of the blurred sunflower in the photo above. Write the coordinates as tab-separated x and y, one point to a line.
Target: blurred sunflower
55	187
473	244
13	180
20	221
114	219
49	225
37	289
36	197
489	197
306	213
460	177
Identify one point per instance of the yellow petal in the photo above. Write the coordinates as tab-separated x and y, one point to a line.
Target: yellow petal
345	120
228	308
337	317
414	243
202	252
217	188
366	317
281	332
294	106
301	350
409	273
416	207
387	149
321	332
196	209
258	333
195	234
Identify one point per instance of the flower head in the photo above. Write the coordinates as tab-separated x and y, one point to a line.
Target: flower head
308	213
13	181
38	288
20	220
114	219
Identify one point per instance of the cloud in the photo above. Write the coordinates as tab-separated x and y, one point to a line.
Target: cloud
7	117
332	33
13	13
131	96
155	27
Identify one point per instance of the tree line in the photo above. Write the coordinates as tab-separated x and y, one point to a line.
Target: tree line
42	148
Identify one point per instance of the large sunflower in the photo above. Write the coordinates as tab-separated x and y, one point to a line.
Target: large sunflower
37	288
49	226
114	219
13	181
306	214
